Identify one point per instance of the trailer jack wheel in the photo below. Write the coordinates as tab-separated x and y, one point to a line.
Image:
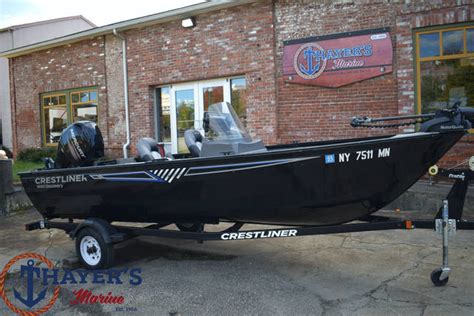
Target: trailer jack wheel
445	227
93	251
436	277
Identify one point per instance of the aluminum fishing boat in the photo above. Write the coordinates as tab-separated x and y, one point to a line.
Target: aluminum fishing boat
228	176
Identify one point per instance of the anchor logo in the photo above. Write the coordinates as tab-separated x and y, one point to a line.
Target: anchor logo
309	55
31	271
306	63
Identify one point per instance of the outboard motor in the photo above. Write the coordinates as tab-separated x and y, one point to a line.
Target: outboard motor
80	145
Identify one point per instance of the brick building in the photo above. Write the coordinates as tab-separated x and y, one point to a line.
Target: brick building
235	52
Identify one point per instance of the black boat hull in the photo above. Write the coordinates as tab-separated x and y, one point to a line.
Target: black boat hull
312	184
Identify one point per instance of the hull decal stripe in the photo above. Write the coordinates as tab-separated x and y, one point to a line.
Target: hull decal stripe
169	175
174	174
244	166
125	177
181	173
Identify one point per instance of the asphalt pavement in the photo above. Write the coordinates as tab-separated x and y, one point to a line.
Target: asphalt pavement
370	273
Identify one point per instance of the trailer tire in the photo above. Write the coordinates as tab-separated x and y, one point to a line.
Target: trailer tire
94	253
191	227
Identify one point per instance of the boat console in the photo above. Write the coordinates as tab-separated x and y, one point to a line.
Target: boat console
226	135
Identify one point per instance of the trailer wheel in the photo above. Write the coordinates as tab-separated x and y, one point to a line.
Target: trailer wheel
435	278
189	227
92	250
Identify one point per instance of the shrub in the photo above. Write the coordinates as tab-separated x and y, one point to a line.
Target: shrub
36	154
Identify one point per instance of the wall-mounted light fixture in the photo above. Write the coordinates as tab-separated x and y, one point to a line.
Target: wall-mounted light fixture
189	22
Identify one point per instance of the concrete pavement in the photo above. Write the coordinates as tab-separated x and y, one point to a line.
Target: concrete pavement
371	273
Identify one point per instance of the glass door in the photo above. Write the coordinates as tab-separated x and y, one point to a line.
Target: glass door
183	112
210	92
188	103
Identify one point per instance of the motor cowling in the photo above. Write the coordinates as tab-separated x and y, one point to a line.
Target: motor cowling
80	145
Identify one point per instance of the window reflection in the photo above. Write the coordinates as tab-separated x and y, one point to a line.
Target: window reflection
444	82
470	40
212	95
184	115
429	45
55	120
84	96
163	115
453	42
85	112
239	97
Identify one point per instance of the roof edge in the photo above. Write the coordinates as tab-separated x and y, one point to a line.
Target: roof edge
64	18
162	17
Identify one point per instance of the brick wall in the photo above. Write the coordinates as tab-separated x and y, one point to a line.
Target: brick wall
235	41
115	96
71	66
315	113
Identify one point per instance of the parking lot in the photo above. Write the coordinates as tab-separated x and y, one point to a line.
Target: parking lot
369	273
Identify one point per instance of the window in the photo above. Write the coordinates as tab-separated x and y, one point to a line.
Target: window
84	106
184	115
163	114
59	109
54	117
445	68
238	88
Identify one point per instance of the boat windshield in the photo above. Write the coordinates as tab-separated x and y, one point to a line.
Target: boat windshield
224	124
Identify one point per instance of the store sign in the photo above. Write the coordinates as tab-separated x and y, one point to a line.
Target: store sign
338	60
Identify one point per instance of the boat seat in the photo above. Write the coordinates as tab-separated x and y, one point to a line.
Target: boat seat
148	149
193	140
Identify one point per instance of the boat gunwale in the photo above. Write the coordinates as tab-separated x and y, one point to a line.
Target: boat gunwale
300	148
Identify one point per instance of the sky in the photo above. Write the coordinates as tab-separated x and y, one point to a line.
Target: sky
100	12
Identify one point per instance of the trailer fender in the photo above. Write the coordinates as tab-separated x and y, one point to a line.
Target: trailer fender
110	234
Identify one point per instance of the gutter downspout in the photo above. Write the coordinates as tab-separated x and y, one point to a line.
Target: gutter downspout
125	90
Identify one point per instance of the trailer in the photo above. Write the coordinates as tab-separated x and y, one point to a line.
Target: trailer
95	237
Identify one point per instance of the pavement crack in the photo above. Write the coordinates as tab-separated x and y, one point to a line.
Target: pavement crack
383	286
50	244
423	310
